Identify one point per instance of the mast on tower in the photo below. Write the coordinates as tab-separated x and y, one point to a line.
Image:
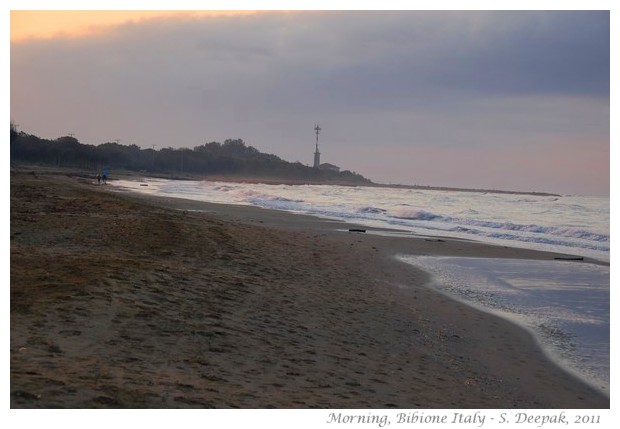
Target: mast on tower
317	154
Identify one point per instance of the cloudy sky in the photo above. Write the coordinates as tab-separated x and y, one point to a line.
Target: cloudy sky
514	100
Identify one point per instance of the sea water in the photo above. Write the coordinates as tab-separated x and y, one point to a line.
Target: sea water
564	304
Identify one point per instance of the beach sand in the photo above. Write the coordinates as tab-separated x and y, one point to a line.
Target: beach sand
126	301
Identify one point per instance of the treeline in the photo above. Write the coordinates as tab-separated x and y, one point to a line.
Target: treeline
231	158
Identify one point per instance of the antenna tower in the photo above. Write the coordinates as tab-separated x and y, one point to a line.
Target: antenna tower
317	154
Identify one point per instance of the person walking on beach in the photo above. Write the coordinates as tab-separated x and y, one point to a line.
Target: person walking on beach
98	178
105	176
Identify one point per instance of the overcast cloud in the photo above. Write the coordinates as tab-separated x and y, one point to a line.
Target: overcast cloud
512	100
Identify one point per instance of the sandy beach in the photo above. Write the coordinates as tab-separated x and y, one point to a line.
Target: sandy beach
128	301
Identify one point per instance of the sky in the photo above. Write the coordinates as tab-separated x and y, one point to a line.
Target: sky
514	100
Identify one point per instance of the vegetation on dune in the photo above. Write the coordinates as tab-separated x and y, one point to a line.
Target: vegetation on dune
232	158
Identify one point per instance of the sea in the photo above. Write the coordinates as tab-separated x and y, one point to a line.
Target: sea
564	304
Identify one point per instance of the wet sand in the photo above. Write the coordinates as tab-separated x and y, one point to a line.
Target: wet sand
126	301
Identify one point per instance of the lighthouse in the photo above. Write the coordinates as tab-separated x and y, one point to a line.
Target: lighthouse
317	154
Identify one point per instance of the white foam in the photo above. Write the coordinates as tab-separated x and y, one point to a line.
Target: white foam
564	304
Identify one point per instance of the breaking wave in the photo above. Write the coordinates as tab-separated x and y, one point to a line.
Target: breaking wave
419	214
371	210
423	215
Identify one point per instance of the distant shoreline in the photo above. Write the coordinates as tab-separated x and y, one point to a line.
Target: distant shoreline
481	191
270	180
